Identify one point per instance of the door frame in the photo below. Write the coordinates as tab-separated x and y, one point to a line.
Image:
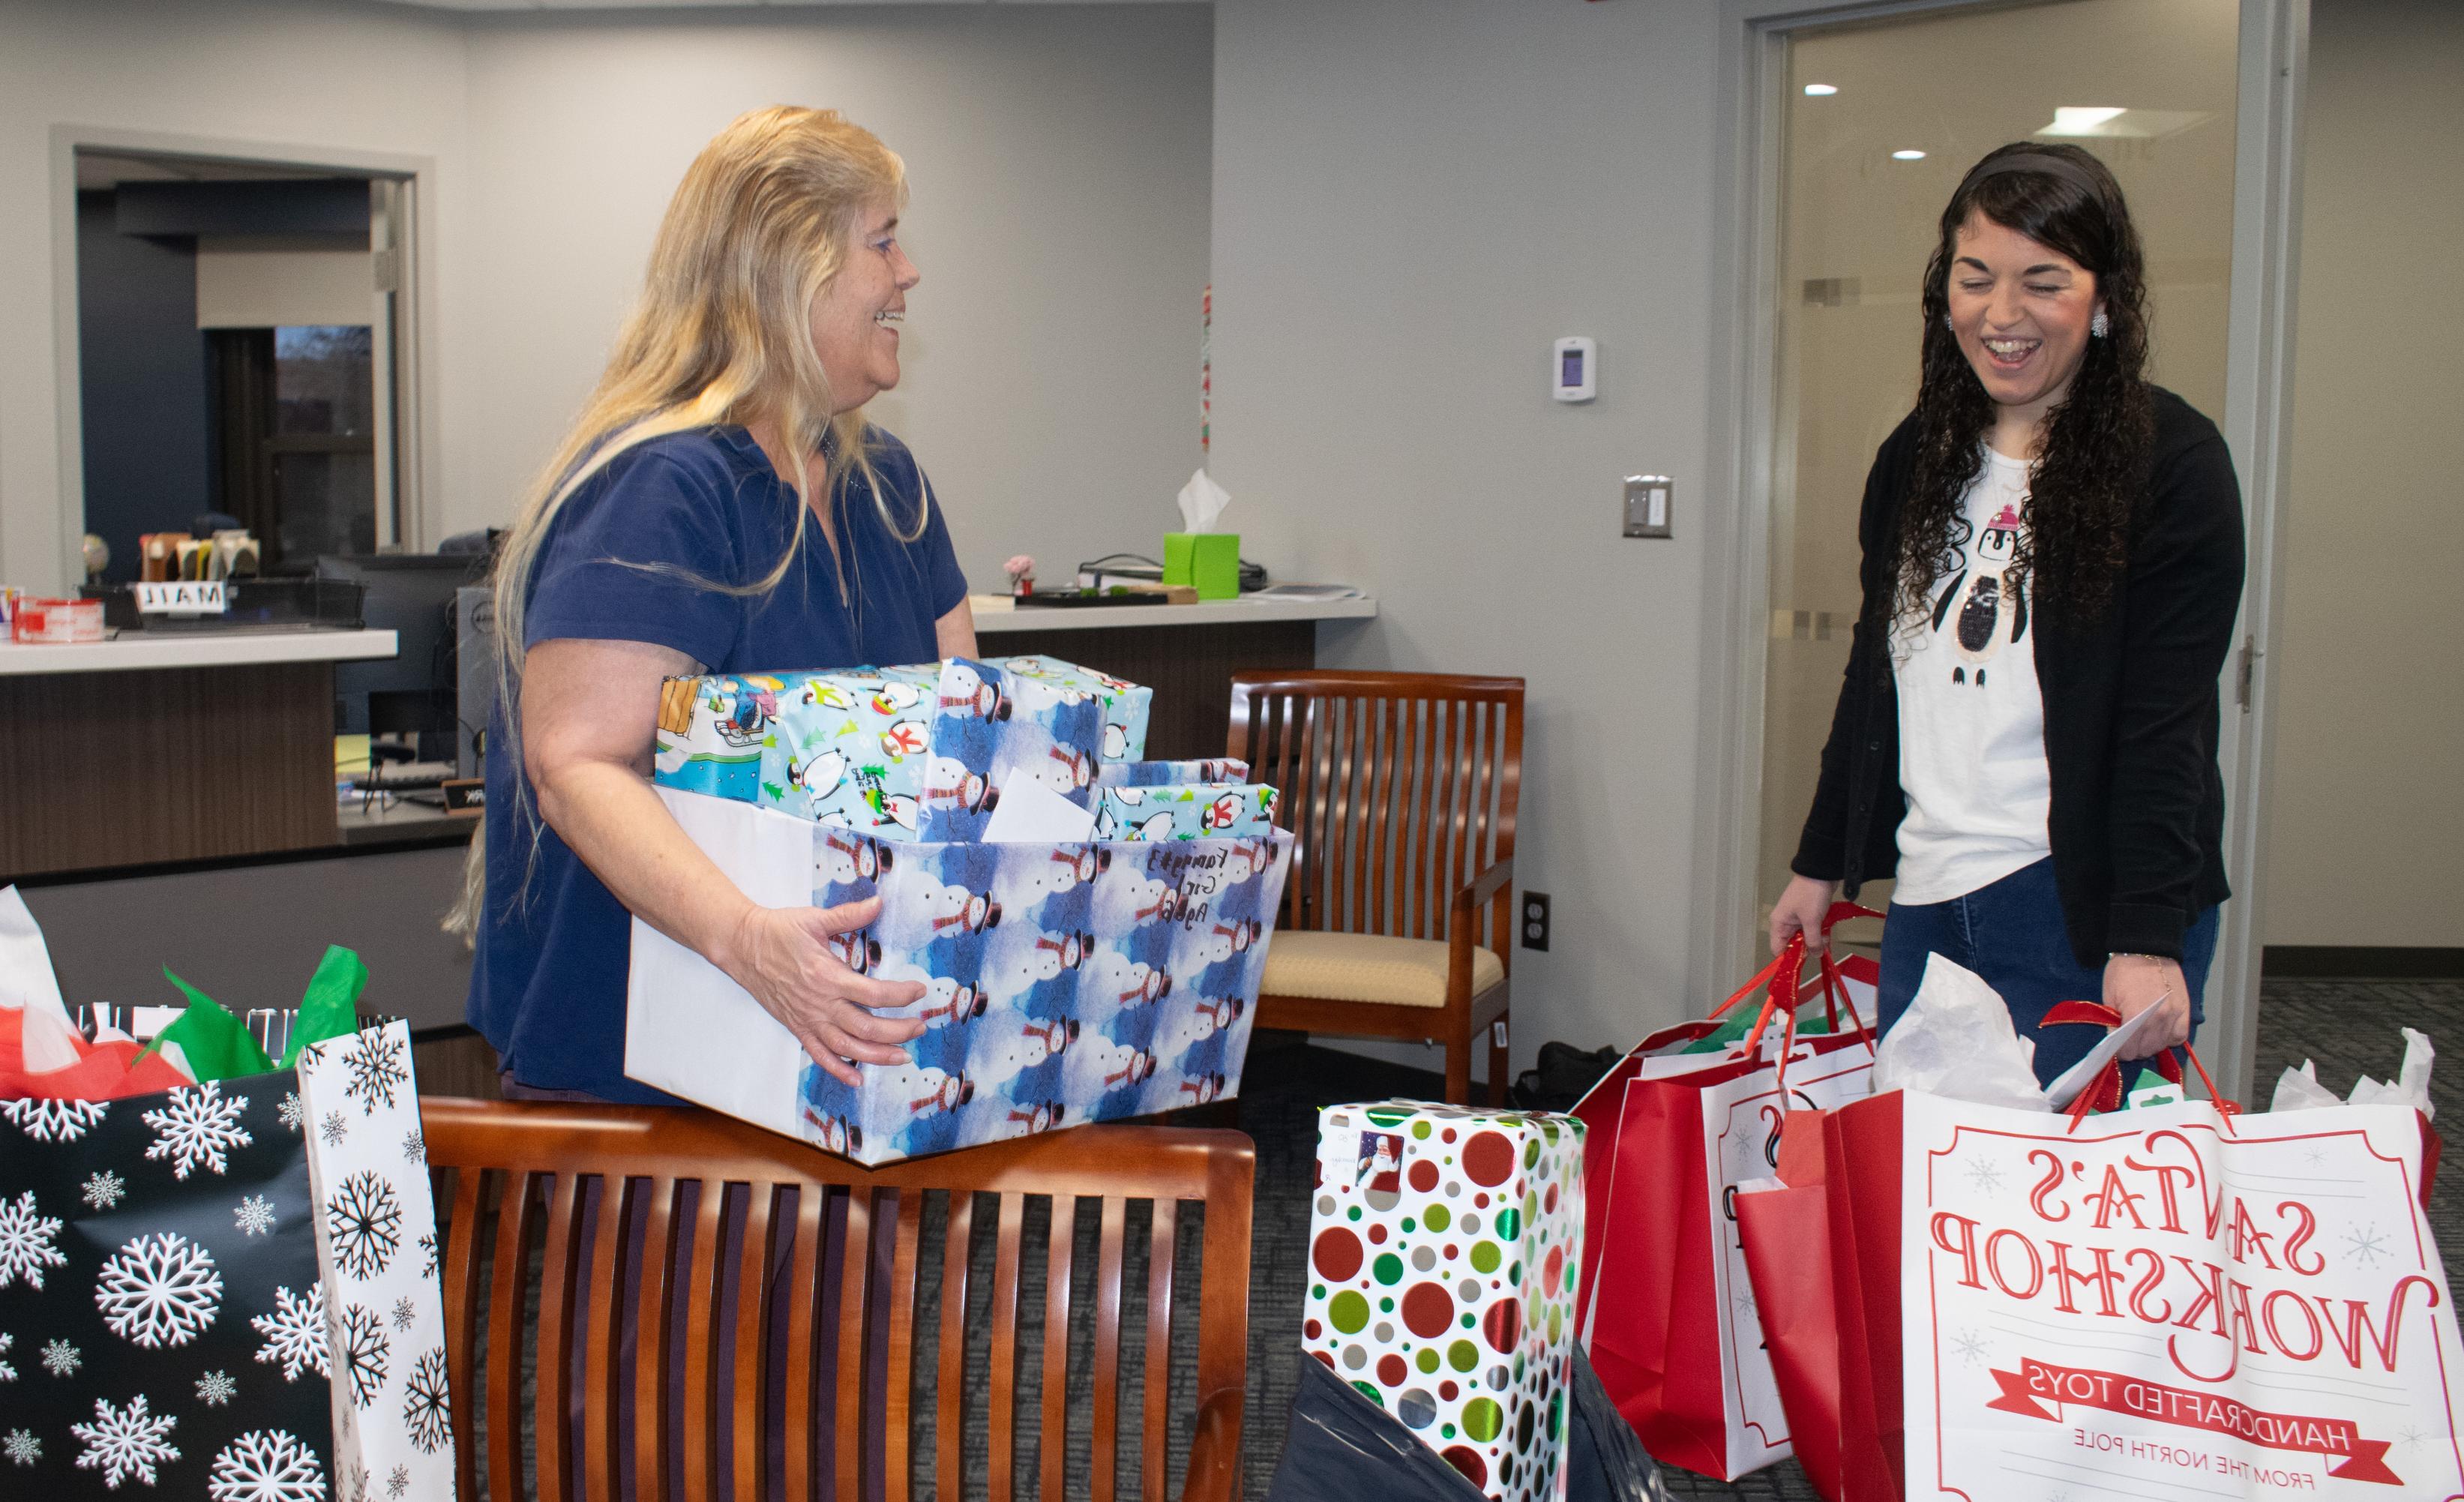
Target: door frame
410	435
2272	66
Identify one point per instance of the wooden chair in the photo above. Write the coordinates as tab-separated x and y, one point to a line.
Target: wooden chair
1400	789
811	1294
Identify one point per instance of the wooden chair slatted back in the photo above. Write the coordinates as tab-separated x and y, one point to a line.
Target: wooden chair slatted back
791	1314
1399	788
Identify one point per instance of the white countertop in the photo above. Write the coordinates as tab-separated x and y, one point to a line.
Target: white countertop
996	614
139	650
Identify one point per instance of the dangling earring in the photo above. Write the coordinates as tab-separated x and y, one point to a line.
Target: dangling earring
1953	327
2099	326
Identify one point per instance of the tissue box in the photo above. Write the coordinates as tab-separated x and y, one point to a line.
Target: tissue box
1065	984
1125	704
1185	812
1209	561
904	753
1158	774
1443	1253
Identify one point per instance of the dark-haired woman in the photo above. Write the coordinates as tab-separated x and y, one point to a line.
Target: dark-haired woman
2026	738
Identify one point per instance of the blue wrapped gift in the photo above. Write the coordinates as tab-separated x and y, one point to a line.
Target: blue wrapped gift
1185	812
1158	774
1126	704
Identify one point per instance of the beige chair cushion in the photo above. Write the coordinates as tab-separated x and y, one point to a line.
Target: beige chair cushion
1368	967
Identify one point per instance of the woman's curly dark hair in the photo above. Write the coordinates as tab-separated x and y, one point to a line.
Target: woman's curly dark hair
2084	489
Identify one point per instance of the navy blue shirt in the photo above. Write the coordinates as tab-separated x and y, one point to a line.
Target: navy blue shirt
702	507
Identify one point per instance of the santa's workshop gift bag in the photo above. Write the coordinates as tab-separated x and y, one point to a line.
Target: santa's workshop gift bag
1664	1303
2174	1301
1993	1299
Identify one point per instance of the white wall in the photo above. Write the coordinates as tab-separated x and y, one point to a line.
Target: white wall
264	72
1060	165
1412	199
2365	817
1057	161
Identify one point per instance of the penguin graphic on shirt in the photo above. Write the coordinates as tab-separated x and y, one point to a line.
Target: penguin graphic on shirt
1982	600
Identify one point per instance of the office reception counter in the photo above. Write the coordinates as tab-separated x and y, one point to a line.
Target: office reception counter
169	746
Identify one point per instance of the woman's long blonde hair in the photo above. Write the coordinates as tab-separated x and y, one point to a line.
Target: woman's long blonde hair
761	225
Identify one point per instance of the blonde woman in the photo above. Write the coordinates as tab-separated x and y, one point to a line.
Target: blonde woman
721	506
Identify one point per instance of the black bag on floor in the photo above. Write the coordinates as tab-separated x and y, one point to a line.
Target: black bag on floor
1342	1448
1565	1074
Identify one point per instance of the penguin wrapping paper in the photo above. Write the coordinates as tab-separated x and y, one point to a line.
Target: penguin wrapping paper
904	753
1185	812
845	747
1442	1250
1064	983
377	1252
1126	704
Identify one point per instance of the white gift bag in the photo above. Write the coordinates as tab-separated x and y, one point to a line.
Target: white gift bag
2166	1302
377	1251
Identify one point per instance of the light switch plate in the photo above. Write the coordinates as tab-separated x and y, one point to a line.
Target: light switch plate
1648	500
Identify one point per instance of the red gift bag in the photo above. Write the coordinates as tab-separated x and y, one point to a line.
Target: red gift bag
1663	1302
1823	1251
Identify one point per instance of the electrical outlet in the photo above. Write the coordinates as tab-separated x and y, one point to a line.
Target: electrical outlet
1535	921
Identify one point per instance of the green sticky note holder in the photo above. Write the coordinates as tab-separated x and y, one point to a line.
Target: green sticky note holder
1207	561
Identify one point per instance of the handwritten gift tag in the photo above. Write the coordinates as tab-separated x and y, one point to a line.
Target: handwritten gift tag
2159	1305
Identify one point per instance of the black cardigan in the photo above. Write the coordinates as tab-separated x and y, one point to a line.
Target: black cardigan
2131	708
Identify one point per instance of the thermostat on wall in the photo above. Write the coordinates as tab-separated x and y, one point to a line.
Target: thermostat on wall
1576	369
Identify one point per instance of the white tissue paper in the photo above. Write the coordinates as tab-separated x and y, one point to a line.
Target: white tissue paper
2300	1090
1202	503
1956	1040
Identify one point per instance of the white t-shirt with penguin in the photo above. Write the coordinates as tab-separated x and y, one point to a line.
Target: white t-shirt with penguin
1971	716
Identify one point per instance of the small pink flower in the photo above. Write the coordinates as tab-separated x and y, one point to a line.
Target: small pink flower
1019	566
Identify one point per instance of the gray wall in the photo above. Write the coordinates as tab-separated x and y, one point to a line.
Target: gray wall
1412	199
2365	815
142	376
1058	163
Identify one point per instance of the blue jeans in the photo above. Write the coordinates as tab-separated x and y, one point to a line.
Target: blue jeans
2012	934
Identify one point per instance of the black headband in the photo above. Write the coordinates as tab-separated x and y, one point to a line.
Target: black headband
2042	161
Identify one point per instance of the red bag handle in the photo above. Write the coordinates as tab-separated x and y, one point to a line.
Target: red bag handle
2104	1093
1834	991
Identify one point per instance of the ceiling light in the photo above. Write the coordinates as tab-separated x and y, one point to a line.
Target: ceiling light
2137	125
1821	90
1907	156
2081	120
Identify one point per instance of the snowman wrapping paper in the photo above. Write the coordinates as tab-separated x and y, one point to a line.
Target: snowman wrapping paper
376	1250
1064	983
1126	704
1443	1244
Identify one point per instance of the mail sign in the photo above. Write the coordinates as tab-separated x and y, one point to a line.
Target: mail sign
183	597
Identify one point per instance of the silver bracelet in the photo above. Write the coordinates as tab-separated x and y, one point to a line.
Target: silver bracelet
2124	954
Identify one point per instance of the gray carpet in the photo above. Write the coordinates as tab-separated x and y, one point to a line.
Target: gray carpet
2349	1027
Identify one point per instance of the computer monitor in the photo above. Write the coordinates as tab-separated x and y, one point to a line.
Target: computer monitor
410	594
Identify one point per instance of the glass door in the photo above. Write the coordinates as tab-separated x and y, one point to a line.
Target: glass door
1881	121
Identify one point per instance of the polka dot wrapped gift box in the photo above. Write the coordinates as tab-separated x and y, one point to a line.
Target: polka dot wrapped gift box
1443	1253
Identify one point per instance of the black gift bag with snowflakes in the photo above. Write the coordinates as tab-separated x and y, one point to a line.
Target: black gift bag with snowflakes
162	1329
